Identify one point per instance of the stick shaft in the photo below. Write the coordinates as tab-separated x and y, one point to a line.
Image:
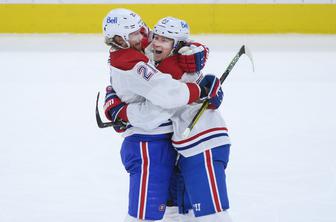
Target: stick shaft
222	79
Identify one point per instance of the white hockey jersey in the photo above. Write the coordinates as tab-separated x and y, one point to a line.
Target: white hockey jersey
146	116
210	131
138	83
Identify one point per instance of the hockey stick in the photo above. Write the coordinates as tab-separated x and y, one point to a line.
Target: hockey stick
242	50
100	123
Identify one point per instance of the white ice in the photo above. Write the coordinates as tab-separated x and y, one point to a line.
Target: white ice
57	165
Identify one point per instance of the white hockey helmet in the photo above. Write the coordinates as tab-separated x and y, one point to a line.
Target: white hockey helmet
172	28
121	22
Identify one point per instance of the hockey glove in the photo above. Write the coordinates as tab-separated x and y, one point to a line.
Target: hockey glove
147	36
193	58
211	89
115	109
216	101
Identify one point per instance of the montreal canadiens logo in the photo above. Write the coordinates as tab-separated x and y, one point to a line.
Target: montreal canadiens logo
162	207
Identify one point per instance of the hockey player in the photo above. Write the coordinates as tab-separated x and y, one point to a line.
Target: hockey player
205	153
146	151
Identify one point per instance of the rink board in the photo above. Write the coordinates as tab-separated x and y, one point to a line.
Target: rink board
203	18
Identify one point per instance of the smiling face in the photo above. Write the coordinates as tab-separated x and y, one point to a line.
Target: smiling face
162	47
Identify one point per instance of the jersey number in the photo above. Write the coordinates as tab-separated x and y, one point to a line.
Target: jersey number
197	206
145	72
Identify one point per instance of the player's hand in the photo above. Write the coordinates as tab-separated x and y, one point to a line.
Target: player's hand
211	89
192	58
115	109
216	101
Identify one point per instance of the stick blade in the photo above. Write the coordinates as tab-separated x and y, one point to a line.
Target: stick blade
248	53
98	119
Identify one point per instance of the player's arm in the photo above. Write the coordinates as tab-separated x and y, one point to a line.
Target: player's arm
149	116
144	114
160	89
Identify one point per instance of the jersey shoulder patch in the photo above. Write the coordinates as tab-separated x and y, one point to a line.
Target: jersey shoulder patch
126	59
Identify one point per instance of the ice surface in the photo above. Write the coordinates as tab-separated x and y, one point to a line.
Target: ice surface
57	165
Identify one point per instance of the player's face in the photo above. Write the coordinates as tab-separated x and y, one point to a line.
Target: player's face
162	46
134	40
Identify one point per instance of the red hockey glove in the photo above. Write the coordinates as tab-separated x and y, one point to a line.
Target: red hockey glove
193	58
147	36
115	109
